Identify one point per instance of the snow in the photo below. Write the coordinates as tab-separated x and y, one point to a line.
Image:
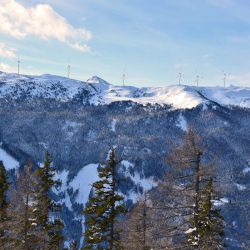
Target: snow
63	177
83	182
102	92
112	125
232	95
190	230
220	202
179	96
47	86
204	107
8	161
145	183
224	200
43	144
182	123
240	187
246	170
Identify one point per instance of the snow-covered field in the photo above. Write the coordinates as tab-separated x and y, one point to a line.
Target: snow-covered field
101	92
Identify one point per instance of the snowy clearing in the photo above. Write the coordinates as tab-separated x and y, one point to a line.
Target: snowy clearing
8	161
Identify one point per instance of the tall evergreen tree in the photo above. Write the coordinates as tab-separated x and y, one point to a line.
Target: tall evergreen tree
211	228
3	206
103	208
47	210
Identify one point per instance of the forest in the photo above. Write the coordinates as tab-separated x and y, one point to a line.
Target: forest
182	212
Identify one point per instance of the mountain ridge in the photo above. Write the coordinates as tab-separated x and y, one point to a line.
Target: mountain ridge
78	122
96	91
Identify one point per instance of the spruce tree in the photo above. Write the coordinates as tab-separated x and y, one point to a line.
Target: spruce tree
56	235
47	210
211	228
103	208
3	206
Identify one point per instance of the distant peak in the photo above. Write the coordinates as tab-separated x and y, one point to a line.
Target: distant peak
96	79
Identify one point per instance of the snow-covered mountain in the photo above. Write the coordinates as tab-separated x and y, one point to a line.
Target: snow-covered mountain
78	122
97	91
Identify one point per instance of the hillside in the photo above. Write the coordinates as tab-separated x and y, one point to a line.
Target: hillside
97	91
79	121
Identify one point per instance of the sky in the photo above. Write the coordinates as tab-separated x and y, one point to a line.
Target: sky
150	41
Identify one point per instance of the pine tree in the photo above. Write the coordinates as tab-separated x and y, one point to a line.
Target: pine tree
103	209
3	206
51	229
23	223
56	235
211	228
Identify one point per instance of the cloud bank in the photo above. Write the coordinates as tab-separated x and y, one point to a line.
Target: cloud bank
41	21
7	52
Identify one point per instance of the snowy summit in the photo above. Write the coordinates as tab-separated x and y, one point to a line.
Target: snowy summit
96	91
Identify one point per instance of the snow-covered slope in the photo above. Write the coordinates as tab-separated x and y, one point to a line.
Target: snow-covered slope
8	161
232	95
96	91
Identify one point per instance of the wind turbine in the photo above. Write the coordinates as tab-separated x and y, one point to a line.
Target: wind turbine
180	77
197	80
18	66
225	79
198	77
69	69
123	78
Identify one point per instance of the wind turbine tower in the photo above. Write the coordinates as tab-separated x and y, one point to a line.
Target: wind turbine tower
18	66
69	69
197	80
180	76
123	79
225	79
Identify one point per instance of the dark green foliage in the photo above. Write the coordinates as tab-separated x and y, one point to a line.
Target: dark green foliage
56	235
103	208
211	228
51	229
3	205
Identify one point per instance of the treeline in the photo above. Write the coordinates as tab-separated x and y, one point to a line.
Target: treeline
30	218
178	214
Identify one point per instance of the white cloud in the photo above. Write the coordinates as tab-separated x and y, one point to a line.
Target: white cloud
7	52
5	67
41	21
81	47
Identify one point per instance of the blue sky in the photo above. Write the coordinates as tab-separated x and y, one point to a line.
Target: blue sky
152	41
